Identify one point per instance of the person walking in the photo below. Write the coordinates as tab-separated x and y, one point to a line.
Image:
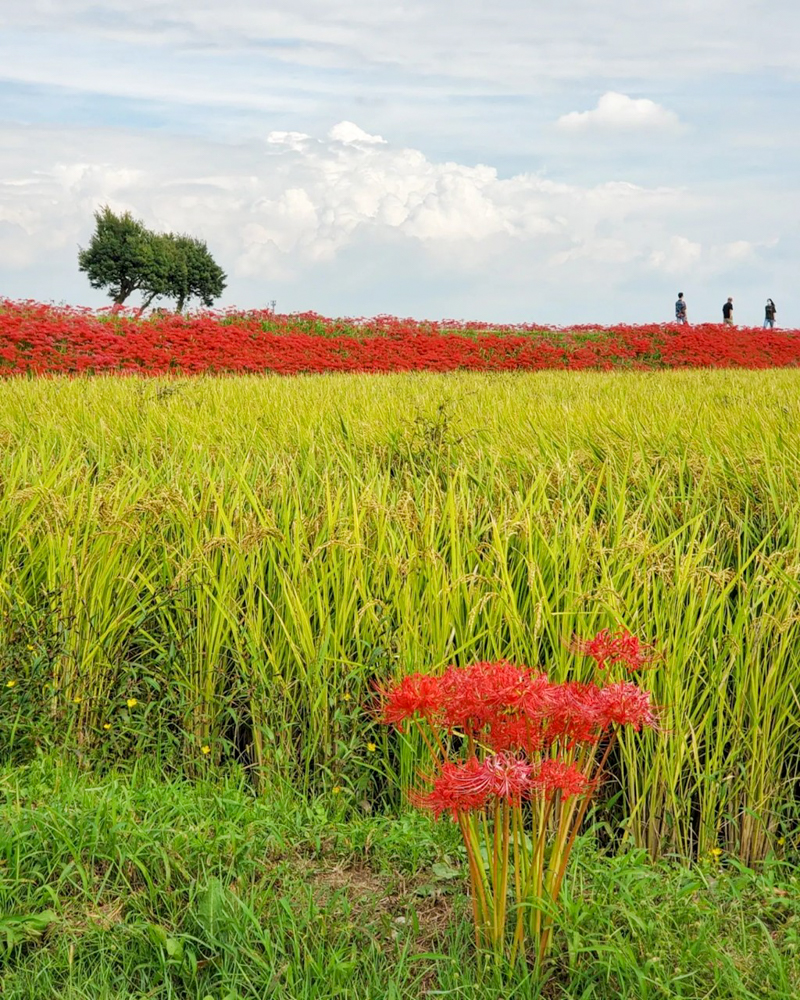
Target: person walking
727	312
769	314
680	309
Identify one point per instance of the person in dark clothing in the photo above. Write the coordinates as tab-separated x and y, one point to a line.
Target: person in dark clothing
769	314
727	313
680	309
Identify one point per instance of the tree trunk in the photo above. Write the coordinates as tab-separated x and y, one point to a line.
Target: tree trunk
125	290
147	301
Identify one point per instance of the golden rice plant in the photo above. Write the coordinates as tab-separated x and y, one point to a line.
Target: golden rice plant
245	557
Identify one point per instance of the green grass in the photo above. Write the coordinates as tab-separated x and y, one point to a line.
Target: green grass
245	557
177	890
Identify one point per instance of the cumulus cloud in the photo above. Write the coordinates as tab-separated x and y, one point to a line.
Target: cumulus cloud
296	197
620	113
350	132
678	257
682	256
354	211
358	213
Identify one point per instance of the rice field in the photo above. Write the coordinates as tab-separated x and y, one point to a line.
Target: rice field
214	572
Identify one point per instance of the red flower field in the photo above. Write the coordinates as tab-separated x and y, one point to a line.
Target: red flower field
44	339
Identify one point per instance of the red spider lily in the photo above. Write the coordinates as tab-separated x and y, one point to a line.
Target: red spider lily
468	786
515	734
536	701
461	787
39	339
625	704
573	714
415	695
509	777
474	696
526	773
608	648
556	776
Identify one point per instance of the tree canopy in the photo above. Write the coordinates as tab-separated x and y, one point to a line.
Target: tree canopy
193	272
124	257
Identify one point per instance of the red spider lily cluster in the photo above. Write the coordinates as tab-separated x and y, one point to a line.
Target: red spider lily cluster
44	339
515	760
608	648
511	716
472	784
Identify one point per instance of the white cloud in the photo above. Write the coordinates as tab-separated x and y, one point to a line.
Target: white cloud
679	256
349	132
303	196
739	250
364	218
518	43
682	256
620	113
353	218
292	140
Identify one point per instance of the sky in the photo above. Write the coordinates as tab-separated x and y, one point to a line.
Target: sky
497	160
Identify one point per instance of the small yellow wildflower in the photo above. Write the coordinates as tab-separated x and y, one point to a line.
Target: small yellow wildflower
205	748
371	747
781	841
132	703
77	699
716	851
347	696
106	726
11	684
30	648
337	789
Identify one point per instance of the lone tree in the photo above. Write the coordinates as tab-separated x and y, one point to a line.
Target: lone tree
193	272
124	256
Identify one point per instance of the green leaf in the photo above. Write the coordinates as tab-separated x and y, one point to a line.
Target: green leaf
212	910
25	927
443	872
157	935
175	948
